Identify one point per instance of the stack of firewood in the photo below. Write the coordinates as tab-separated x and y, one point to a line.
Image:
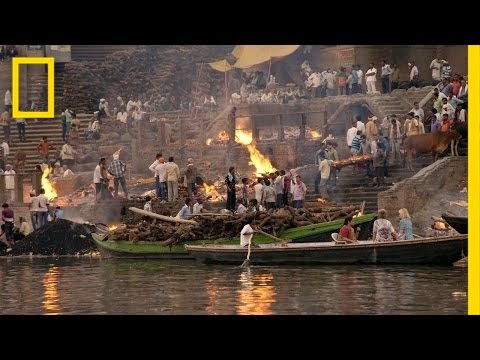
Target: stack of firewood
215	226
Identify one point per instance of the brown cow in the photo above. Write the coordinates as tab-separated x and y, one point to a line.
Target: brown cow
19	160
436	143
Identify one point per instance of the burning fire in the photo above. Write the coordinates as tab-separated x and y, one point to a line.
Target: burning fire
50	191
257	159
209	141
320	200
112	227
223	136
313	133
358	214
211	190
439	225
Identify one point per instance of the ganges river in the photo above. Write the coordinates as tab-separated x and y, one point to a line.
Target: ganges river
91	285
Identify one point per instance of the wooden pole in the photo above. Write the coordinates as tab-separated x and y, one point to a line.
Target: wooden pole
226	85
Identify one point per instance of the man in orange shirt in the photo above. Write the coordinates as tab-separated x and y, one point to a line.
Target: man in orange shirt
446	123
43	148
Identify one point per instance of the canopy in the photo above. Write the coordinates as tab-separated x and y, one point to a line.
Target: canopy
221	65
251	55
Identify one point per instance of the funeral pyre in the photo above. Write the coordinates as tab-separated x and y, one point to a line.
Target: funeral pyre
353	160
210	226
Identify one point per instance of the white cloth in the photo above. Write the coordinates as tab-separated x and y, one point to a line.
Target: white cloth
324	168
34	204
8	98
436	67
42	203
6	148
360	76
68	173
161	172
148	206
246	235
351	133
241	209
371	75
258	192
419	112
97	175
197	208
9	179
361	127
413	72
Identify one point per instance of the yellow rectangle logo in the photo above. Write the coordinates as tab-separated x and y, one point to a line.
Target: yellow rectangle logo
16	62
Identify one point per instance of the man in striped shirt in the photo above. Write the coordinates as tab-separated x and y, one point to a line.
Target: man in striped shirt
356	144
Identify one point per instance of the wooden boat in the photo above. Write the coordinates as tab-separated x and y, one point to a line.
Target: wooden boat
459	223
138	250
438	251
156	250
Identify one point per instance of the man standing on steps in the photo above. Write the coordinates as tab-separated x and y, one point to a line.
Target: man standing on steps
8	101
44	148
386	72
371	79
117	169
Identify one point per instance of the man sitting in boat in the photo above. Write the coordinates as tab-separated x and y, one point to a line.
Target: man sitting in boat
383	229
347	232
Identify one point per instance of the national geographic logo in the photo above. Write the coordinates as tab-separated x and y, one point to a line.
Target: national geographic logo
16	62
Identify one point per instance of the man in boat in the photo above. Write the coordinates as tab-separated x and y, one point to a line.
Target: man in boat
246	234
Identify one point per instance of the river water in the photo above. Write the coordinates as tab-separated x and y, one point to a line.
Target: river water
90	285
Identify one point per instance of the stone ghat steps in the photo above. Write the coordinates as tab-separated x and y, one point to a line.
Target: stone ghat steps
96	52
355	188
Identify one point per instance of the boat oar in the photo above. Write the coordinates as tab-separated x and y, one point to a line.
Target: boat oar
246	262
282	241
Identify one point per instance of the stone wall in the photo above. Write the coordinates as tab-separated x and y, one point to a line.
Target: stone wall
426	189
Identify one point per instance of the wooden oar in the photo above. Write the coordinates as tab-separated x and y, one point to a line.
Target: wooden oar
283	241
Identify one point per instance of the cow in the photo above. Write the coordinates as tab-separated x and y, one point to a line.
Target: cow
436	143
462	128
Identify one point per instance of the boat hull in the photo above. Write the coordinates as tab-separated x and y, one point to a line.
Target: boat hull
432	251
457	222
142	250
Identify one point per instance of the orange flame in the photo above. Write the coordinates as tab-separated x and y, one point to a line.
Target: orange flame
223	136
440	225
50	191
320	200
257	159
112	227
358	215
313	133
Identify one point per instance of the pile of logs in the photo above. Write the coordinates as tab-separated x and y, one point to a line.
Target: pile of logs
212	226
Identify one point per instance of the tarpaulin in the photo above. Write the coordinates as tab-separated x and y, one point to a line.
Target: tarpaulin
221	65
250	55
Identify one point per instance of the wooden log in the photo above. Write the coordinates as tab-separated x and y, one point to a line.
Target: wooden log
161	217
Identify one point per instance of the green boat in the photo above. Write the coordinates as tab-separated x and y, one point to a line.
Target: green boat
156	250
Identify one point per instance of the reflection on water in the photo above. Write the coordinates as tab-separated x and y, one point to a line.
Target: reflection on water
50	293
256	294
96	286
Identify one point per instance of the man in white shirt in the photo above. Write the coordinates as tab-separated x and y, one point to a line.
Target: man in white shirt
436	67
360	124
9	175
371	79
8	101
351	133
324	169
386	72
360	78
413	74
42	210
418	111
6	150
246	234
241	208
198	207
